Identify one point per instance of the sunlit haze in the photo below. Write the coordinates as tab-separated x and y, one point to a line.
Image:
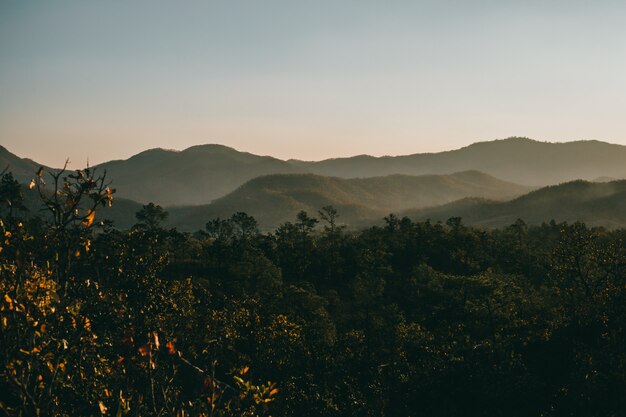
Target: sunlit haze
309	80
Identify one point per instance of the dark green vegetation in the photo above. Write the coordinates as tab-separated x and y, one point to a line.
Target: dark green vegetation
403	319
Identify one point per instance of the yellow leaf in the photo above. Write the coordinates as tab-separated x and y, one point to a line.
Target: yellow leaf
103	408
31	184
274	392
89	218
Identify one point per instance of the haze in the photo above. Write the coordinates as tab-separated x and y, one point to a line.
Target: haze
307	80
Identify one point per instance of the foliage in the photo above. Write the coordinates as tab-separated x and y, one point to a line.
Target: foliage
409	318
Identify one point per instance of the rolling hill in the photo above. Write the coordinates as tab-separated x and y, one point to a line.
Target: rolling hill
196	175
596	204
275	199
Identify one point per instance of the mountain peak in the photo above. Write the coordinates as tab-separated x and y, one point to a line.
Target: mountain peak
212	148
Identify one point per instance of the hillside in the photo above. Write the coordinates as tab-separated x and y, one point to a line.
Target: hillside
196	175
275	199
23	169
122	212
596	204
520	160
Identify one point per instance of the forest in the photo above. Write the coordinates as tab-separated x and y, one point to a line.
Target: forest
405	318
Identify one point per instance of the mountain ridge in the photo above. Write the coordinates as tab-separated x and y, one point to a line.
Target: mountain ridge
596	204
201	174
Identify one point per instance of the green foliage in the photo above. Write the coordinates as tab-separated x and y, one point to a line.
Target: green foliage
410	318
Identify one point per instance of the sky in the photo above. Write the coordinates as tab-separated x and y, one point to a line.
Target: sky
99	80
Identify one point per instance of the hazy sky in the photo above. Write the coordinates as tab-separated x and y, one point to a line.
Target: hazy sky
306	79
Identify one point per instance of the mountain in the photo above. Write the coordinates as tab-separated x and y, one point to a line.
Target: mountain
196	175
275	199
520	160
202	174
596	204
23	169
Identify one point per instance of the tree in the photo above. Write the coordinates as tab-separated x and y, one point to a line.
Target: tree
11	195
151	217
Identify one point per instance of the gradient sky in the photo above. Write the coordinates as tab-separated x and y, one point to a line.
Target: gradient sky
103	80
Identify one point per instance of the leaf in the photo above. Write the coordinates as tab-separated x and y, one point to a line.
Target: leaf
87	324
103	408
155	339
170	347
89	218
144	350
31	184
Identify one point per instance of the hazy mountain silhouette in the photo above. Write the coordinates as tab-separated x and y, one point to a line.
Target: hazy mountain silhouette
275	199
520	160
596	204
202	174
196	175
23	169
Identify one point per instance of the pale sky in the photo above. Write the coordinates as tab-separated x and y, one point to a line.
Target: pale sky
103	80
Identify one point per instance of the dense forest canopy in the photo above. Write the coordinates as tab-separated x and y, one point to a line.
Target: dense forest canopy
311	319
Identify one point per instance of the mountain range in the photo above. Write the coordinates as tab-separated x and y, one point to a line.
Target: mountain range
273	199
520	160
486	183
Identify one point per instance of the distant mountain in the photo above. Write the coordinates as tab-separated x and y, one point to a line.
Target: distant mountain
275	199
23	169
596	204
196	175
202	174
520	160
